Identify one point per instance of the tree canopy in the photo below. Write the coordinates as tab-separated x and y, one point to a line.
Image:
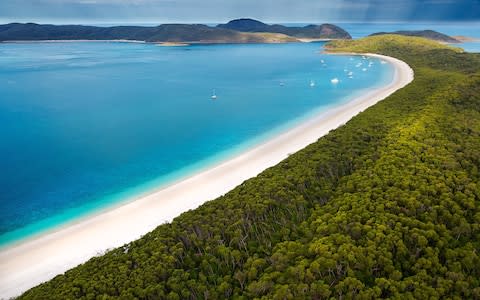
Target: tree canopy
386	206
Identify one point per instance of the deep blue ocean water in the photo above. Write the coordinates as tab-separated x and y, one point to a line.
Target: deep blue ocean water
89	125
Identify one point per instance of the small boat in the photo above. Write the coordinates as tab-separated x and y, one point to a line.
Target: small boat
214	95
383	62
350	73
312	83
364	69
282	83
335	81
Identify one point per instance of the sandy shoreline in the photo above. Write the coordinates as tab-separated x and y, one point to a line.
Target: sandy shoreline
40	259
158	43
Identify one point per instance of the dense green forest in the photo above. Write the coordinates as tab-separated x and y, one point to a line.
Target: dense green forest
386	206
328	31
429	34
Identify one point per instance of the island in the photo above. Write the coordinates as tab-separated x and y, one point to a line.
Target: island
168	33
384	206
309	32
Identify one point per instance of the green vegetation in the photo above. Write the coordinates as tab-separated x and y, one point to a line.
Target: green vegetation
395	45
176	33
429	34
324	31
387	206
233	32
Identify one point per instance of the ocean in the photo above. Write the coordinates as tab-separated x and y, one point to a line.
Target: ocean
89	125
86	126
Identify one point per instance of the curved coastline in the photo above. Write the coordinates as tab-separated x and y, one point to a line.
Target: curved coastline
39	259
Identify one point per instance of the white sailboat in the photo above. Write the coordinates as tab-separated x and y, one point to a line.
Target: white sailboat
214	95
312	83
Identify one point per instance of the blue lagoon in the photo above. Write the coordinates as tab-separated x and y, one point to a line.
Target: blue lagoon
86	126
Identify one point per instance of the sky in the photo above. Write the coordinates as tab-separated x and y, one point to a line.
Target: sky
216	11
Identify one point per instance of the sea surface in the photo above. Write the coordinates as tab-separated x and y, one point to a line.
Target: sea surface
86	126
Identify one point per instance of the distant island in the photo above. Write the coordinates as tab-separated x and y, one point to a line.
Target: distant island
429	34
324	31
236	31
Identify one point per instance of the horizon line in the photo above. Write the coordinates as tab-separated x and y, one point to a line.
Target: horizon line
153	22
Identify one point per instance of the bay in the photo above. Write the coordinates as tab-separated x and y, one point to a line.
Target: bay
86	126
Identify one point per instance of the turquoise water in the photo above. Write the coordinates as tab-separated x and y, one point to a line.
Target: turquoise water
89	125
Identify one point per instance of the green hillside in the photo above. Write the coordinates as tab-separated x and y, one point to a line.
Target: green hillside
324	31
387	206
233	32
429	34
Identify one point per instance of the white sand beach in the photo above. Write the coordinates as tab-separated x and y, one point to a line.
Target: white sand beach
39	259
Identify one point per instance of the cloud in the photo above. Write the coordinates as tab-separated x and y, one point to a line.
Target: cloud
222	10
436	2
113	2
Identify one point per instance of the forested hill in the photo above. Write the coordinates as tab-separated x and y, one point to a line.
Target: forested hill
429	34
324	31
176	33
387	205
192	33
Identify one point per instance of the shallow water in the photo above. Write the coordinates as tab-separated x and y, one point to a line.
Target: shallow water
89	125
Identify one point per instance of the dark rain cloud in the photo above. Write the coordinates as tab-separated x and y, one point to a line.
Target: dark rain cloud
405	10
222	10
